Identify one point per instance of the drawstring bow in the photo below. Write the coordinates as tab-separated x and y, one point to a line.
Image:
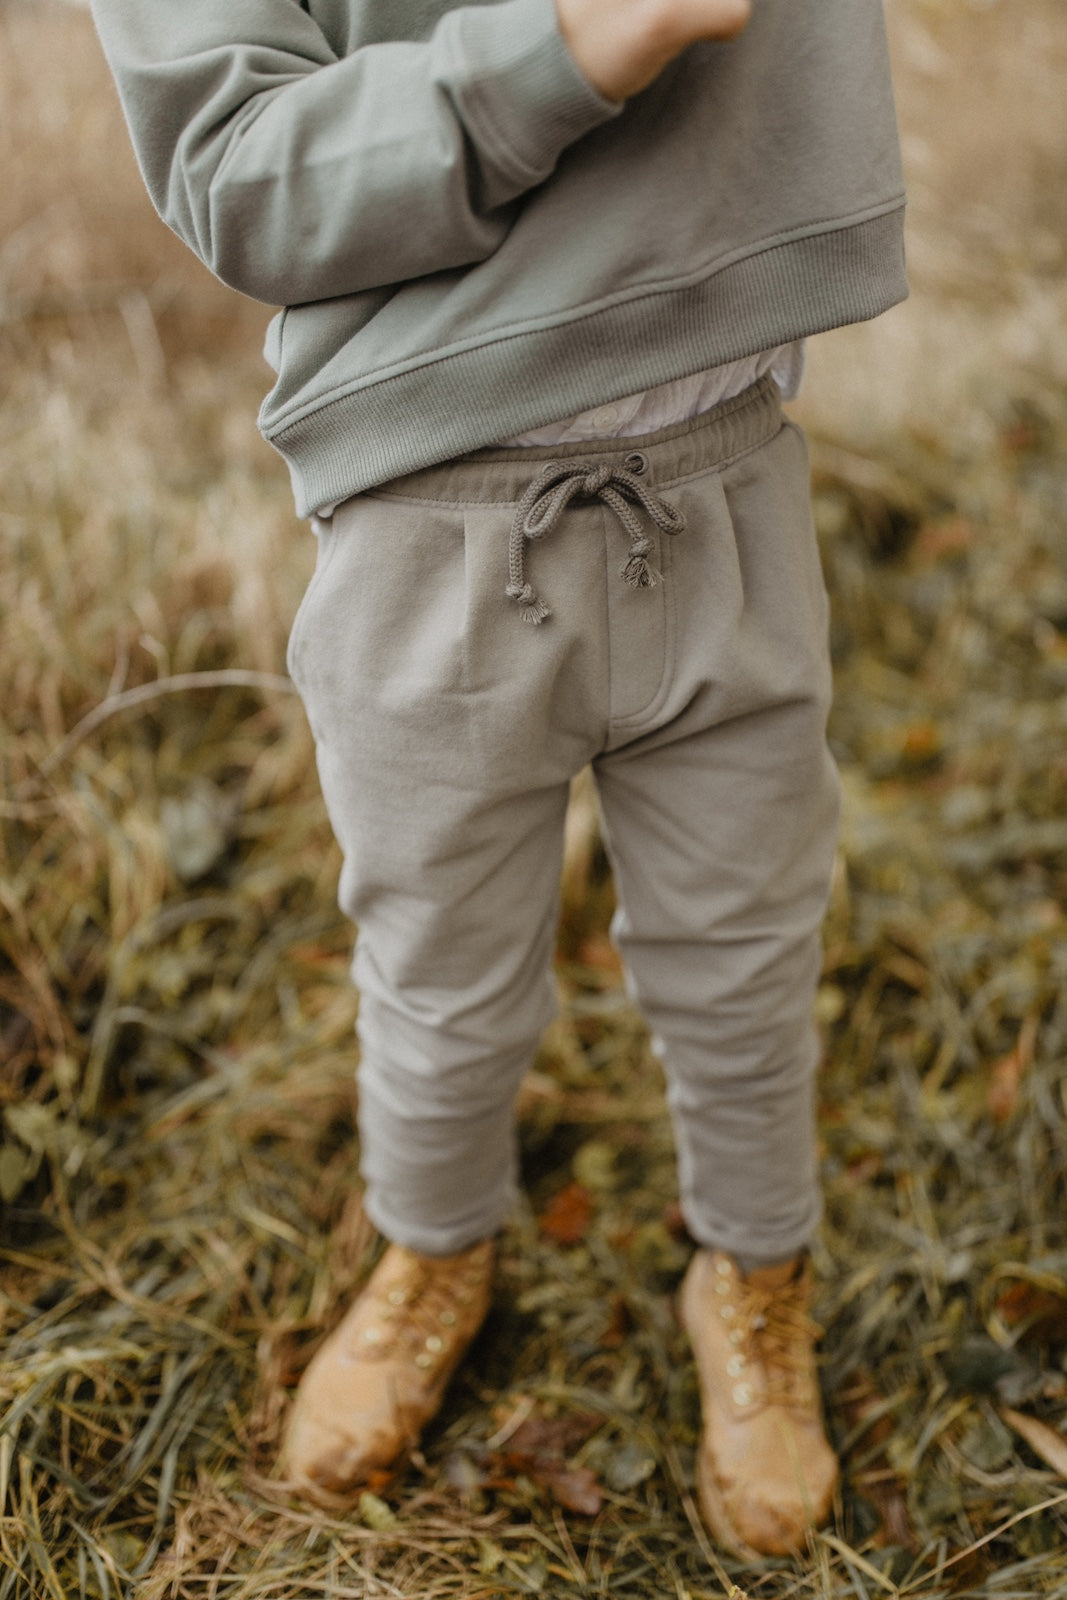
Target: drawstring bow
547	498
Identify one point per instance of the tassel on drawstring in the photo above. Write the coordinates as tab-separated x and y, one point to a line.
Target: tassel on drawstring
531	608
637	572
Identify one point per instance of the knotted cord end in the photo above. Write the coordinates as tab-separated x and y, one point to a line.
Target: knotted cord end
531	609
637	572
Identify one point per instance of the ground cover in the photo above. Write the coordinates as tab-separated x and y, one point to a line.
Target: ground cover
176	1172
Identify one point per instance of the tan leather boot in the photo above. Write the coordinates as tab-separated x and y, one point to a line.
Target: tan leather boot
382	1373
765	1472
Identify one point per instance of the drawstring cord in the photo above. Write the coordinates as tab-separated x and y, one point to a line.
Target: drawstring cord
547	498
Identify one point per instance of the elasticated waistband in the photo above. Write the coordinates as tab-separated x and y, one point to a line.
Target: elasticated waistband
706	443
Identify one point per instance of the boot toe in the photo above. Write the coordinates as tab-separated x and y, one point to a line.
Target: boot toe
766	1514
338	1460
380	1376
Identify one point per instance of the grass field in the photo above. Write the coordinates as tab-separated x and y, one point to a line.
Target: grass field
180	1218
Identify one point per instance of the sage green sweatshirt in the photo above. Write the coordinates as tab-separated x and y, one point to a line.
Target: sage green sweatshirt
470	241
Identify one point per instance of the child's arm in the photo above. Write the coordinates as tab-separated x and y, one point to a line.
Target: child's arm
298	176
622	45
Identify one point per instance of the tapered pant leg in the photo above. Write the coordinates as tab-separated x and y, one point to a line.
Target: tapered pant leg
445	741
721	822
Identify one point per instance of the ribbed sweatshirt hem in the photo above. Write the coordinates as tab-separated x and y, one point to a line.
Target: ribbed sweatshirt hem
461	400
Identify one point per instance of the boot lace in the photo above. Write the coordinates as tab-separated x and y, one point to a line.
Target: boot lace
417	1314
779	1336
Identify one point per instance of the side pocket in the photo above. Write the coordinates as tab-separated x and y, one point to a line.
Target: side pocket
325	531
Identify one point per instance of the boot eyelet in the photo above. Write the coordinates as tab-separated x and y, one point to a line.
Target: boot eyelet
735	1366
742	1394
424	1361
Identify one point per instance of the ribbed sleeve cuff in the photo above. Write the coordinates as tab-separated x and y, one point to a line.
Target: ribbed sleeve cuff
517	86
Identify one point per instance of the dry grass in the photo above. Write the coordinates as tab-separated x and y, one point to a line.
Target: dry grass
984	121
176	1166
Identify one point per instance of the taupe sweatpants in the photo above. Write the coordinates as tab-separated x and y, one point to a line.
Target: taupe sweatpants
447	731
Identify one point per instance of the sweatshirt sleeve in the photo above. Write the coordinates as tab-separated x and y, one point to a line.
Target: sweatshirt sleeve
296	175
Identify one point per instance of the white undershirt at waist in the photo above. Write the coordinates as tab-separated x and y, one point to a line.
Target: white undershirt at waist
673	402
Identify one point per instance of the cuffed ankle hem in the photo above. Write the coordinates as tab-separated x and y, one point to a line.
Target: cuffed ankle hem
435	1240
752	1251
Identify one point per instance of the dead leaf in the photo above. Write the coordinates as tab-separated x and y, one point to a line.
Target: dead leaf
943	539
863	1170
566	1218
1043	1440
575	1488
1007	1074
618	1324
548	1436
539	1448
1033	1311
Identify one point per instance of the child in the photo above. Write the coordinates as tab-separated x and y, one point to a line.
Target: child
547	265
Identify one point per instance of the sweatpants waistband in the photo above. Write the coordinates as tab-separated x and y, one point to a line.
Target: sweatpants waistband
706	443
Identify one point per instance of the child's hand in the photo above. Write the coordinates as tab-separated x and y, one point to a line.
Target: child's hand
621	45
